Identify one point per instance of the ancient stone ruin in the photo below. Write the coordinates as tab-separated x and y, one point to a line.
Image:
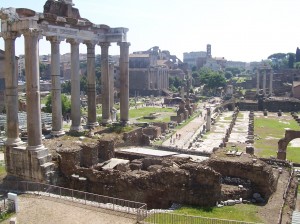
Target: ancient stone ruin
59	22
159	182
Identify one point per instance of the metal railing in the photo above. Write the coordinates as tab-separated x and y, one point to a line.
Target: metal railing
95	200
170	218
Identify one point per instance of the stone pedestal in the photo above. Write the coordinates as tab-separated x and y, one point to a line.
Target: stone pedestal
250	149
34	165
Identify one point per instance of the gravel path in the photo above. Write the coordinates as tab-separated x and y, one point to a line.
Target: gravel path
36	210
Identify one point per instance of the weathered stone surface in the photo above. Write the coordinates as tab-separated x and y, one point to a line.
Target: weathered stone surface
61	9
259	173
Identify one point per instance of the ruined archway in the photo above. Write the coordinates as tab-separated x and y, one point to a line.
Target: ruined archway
283	143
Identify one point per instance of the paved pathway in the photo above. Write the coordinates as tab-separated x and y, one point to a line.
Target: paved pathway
215	137
36	210
186	132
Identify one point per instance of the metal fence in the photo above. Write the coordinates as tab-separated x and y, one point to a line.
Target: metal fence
95	200
171	218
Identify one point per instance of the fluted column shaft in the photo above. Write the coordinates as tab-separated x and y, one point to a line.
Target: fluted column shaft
57	124
11	89
105	92
124	80
75	85
91	85
34	127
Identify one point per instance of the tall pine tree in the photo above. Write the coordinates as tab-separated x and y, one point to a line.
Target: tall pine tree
291	60
298	55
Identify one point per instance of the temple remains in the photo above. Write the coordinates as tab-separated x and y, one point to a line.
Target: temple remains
60	21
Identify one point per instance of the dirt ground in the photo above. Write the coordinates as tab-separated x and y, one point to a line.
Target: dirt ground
37	210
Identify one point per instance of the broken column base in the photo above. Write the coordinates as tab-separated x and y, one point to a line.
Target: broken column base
24	164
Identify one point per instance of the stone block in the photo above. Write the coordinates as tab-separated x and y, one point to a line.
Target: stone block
250	149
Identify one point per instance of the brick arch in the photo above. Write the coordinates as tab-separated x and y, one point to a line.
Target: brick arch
283	143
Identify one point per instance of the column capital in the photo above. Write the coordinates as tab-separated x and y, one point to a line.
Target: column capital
104	44
74	41
124	44
90	43
55	39
10	35
32	33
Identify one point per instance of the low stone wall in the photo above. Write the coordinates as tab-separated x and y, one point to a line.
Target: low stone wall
135	138
259	173
156	183
152	132
163	126
179	118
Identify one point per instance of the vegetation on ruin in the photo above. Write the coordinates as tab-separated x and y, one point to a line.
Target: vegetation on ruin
242	212
119	128
5	216
269	130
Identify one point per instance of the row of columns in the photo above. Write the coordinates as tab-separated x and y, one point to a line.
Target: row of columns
158	78
33	86
264	87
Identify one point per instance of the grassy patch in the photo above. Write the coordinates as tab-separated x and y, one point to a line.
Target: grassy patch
293	154
144	111
269	130
242	212
6	216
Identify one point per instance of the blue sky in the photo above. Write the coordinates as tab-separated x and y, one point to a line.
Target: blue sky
245	30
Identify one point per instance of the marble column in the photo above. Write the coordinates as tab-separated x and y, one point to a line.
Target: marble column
208	119
105	92
124	80
75	85
257	81
264	81
271	83
57	121
11	90
111	85
33	107
91	85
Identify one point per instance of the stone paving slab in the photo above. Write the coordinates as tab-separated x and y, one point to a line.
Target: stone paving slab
148	151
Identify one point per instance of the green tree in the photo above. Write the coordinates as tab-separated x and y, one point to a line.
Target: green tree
66	87
65	104
297	65
83	84
291	60
228	74
279	60
196	78
234	70
211	78
175	83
